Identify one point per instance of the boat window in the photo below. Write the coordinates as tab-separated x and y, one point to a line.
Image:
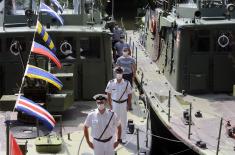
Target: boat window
186	1
201	41
211	4
90	47
224	41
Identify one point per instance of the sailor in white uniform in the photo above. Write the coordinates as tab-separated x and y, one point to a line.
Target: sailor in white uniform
104	124
119	98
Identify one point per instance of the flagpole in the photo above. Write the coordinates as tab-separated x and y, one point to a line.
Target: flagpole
7	122
26	68
38	16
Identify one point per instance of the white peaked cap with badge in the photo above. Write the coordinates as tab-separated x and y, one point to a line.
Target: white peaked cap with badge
100	97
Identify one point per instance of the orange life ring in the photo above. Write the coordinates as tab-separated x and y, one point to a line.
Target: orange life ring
153	25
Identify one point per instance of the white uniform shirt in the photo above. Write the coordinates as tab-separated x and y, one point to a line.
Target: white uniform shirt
98	122
116	89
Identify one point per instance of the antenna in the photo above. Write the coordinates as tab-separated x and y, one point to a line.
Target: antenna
92	11
112	8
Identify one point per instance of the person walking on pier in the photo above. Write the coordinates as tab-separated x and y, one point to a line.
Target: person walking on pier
119	98
128	64
104	123
119	46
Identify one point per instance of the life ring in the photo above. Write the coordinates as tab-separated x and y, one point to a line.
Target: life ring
153	25
15	48
223	41
66	48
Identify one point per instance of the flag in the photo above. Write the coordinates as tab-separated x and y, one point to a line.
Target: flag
38	73
33	109
14	147
57	4
44	8
45	36
39	49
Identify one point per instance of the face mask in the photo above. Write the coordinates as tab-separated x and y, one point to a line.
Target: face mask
119	76
100	106
125	54
122	40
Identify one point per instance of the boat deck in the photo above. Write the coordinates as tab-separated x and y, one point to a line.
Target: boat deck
73	120
212	107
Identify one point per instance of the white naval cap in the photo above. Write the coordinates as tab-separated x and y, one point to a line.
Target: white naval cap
100	97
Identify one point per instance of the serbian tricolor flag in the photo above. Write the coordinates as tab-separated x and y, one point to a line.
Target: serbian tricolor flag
38	73
40	49
33	109
14	147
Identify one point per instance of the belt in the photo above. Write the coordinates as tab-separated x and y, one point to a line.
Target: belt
103	140
122	101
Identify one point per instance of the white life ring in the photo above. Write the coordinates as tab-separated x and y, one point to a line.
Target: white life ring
68	48
223	41
15	48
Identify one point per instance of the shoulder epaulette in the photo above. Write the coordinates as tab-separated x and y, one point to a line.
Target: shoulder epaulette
111	80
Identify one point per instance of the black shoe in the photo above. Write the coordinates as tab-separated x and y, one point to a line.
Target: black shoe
123	142
130	109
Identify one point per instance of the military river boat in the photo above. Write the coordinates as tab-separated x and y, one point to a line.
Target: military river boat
185	68
84	66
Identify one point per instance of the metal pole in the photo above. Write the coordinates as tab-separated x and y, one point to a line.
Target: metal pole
7	122
92	9
26	146
148	117
4	15
133	48
37	124
112	9
7	138
61	134
220	128
136	49
30	4
130	41
169	106
138	145
61	125
190	121
142	80
136	57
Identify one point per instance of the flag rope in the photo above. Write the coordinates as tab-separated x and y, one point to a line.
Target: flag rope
26	68
25	71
